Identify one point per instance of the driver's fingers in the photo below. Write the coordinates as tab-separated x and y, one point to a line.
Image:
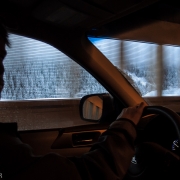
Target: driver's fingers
142	104
130	112
136	108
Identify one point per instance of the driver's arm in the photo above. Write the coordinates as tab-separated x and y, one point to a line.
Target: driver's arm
110	157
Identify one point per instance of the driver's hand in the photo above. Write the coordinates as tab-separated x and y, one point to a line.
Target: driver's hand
133	113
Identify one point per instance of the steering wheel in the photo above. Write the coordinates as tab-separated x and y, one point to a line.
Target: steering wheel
151	160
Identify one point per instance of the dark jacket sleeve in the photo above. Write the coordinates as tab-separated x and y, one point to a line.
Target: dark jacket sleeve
108	159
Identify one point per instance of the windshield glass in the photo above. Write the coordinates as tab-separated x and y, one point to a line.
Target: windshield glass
151	68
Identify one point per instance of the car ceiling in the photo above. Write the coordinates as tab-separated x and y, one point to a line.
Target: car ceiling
93	16
97	18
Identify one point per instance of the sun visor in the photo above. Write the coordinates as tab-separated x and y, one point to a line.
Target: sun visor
159	32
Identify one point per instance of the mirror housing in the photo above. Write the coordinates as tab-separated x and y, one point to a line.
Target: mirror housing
98	108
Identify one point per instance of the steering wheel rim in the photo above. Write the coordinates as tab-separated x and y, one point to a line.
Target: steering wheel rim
137	170
169	114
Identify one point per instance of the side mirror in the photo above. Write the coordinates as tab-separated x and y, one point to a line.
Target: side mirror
97	108
92	108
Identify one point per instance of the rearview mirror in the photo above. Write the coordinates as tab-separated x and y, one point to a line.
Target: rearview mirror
97	108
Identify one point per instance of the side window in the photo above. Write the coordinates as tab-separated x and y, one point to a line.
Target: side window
35	70
43	86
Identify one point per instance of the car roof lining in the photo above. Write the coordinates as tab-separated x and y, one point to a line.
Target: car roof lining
95	12
96	18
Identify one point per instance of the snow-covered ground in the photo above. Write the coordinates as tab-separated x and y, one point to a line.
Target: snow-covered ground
141	85
146	89
168	92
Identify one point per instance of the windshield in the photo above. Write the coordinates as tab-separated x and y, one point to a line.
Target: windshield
152	69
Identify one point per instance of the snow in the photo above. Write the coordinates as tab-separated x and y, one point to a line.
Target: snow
142	85
167	92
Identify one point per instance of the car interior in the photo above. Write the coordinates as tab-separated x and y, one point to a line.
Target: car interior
72	67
